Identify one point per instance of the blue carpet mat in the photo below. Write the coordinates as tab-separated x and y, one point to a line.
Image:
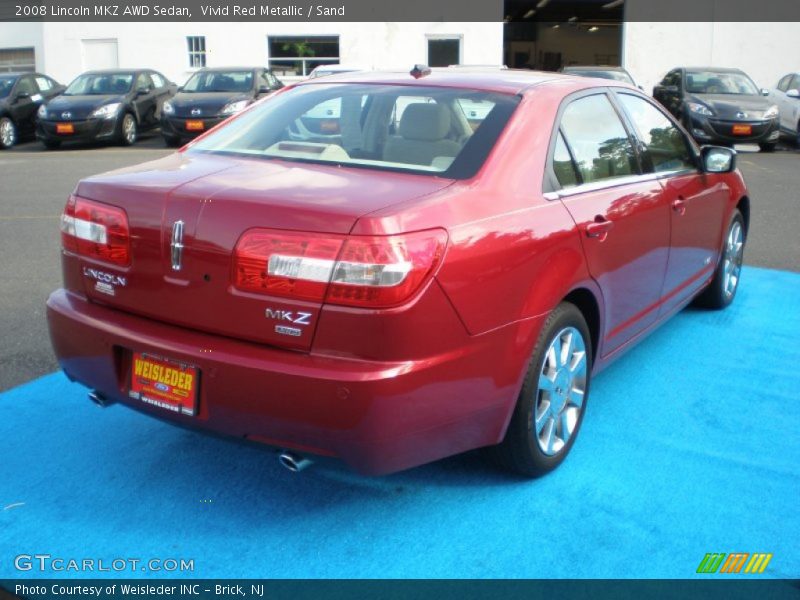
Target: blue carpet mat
690	445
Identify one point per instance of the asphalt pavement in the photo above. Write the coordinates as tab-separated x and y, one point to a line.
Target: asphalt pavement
34	185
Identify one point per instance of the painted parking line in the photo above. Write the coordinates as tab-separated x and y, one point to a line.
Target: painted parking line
689	446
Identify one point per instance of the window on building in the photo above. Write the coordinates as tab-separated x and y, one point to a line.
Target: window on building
444	51
297	56
197	50
17	59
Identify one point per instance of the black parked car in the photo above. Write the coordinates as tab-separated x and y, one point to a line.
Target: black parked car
614	73
211	96
720	106
21	95
112	105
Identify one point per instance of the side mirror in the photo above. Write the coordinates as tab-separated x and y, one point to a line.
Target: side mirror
764	92
144	91
23	95
793	94
718	159
264	89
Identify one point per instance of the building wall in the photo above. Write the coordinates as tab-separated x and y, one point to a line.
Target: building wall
162	46
765	51
23	35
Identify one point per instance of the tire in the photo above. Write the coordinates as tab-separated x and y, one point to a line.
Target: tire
8	133
767	147
51	144
534	443
722	289
128	130
171	142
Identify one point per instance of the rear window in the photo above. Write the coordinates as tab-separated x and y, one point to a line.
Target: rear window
437	131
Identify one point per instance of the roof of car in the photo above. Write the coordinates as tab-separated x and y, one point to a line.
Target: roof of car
113	71
226	69
510	81
592	68
714	69
16	74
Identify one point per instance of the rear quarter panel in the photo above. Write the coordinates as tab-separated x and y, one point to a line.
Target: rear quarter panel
512	254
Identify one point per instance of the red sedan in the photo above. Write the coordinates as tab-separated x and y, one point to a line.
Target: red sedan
390	269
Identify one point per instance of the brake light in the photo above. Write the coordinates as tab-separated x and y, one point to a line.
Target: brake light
371	272
96	230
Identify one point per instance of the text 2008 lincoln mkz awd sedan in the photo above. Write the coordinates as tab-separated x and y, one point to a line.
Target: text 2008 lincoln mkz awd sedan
388	282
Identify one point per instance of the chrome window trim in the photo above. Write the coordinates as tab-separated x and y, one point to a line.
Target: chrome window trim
604	184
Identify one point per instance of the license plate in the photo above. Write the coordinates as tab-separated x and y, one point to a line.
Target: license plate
742	129
65	128
164	383
194	126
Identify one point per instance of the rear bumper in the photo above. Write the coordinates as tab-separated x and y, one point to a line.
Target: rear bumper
378	417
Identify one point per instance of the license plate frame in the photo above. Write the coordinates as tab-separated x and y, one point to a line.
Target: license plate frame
164	382
742	130
65	128
195	125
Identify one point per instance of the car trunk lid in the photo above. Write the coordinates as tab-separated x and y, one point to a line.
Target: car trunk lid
186	214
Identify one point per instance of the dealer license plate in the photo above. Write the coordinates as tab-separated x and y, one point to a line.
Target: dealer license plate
65	128
742	130
164	383
194	126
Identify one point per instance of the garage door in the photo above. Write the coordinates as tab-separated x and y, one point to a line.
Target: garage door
99	54
17	59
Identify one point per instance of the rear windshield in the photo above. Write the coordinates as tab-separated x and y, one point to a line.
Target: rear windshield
710	82
219	81
437	131
100	84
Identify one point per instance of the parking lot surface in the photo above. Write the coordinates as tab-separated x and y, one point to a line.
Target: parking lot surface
34	185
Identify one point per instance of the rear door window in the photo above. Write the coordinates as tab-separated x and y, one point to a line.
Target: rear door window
598	140
563	166
667	148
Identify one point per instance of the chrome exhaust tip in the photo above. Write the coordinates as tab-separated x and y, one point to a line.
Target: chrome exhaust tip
99	399
294	462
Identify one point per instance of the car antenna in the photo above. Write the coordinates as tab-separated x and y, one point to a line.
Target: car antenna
420	71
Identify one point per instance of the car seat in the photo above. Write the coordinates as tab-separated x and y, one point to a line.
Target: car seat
422	136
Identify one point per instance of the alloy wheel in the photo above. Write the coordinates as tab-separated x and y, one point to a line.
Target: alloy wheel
129	129
732	260
8	133
561	391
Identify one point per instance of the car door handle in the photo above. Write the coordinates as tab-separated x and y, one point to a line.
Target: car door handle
679	205
599	228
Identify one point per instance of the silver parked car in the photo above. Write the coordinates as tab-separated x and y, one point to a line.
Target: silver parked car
787	96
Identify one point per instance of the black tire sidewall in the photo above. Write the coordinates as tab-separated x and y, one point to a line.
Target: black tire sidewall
527	457
714	295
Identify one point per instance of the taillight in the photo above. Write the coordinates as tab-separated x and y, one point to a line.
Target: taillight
96	230
372	272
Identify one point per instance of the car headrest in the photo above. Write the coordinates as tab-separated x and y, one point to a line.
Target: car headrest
424	122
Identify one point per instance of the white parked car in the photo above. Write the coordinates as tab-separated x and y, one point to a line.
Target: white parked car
787	96
325	70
